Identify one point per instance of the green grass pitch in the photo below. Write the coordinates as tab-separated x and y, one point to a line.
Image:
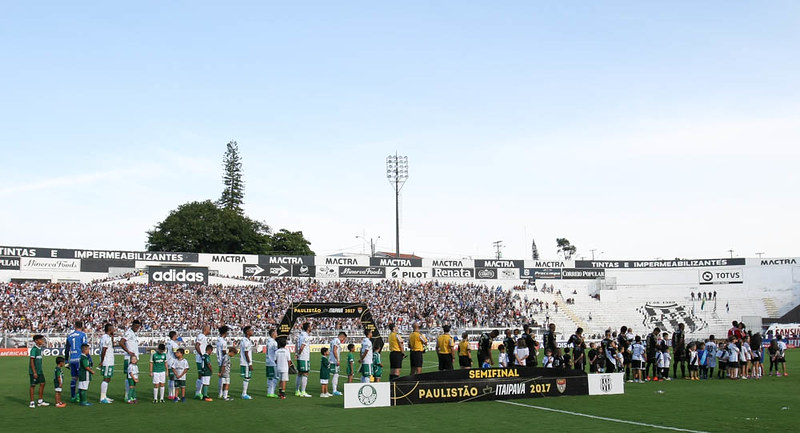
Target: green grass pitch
769	404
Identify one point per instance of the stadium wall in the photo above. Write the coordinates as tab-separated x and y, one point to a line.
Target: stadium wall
659	276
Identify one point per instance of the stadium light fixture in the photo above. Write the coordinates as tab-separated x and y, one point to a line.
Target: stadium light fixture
397	173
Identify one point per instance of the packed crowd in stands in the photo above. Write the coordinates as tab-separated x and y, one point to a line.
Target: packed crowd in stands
46	308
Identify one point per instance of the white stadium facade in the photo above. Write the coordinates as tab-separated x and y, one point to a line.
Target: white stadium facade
705	294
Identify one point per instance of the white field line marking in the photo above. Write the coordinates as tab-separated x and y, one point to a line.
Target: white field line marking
602	417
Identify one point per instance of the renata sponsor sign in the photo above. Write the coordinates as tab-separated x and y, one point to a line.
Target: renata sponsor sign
55	265
177	275
454	273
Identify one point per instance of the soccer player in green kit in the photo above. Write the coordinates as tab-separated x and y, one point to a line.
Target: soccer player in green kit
35	370
85	373
158	371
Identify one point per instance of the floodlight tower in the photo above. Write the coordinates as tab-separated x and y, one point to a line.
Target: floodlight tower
397	173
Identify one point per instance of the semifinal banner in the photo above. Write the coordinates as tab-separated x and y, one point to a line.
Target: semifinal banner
458	386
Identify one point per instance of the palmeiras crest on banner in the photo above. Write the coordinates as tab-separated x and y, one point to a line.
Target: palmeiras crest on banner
669	315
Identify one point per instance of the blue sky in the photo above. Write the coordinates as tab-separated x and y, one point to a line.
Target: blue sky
639	129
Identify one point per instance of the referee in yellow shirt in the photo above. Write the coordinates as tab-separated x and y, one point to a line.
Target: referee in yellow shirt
416	342
444	348
396	355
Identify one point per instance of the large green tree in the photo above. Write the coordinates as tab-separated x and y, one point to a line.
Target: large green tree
233	194
294	243
204	227
565	248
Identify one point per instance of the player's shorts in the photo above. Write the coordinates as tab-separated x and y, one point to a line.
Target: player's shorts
159	378
733	364
180	383
283	376
75	367
396	359
464	361
679	356
416	359
199	369
245	372
83	384
171	375
636	364
125	364
334	368
693	368
445	361
226	380
39	379
377	370
131	382
780	359
58	390
303	366
366	370
270	372
206	380
323	381
108	371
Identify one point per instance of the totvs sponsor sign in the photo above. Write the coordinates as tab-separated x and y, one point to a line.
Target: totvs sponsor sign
177	275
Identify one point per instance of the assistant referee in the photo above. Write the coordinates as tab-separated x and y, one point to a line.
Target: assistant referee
416	342
396	349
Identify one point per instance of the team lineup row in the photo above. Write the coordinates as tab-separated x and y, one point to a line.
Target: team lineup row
169	367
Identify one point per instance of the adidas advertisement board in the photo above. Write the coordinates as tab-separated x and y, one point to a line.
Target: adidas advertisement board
177	275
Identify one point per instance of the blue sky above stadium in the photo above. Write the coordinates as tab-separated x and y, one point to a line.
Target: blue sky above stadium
639	129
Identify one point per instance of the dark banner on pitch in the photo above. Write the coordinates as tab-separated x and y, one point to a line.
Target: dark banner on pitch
336	310
458	386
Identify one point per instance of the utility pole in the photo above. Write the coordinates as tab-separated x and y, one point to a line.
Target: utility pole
759	255
497	246
593	250
397	173
731	251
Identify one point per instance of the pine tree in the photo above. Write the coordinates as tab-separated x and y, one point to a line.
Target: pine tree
233	194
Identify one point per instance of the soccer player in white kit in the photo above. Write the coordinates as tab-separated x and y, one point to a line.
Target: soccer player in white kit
335	358
200	344
246	360
272	378
222	350
303	361
130	345
366	356
172	347
106	361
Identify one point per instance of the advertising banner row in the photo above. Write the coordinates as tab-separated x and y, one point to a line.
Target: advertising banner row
380	272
